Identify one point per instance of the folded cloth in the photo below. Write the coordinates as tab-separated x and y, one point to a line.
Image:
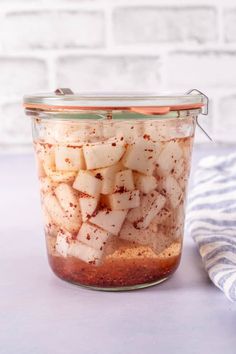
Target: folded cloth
211	219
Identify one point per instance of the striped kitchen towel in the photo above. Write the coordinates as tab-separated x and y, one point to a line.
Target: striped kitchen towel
211	219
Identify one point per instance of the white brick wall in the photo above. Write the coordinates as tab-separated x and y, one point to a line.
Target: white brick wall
117	44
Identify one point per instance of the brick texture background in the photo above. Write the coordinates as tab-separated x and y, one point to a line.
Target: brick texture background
170	45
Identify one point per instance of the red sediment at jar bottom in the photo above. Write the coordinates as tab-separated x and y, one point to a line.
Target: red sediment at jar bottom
114	272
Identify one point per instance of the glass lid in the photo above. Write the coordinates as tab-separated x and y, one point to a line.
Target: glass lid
64	98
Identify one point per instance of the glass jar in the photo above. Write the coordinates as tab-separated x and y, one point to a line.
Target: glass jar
113	172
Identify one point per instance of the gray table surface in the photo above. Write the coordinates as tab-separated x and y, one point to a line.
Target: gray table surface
39	313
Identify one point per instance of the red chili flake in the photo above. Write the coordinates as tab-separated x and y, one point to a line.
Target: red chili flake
172	171
121	189
99	176
122	138
132	128
88	237
113	144
67	160
146	136
71	204
150	157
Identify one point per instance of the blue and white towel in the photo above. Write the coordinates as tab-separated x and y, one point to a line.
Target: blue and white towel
211	219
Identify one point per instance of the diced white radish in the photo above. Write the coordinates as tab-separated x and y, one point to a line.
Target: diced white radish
129	131
141	156
161	241
124	180
63	242
50	227
87	206
58	215
161	130
109	129
168	158
46	184
172	190
85	182
44	150
179	218
69	158
107	176
122	200
69	201
150	206
145	183
103	154
68	132
129	233
163	216
179	168
59	176
93	236
40	168
109	220
85	253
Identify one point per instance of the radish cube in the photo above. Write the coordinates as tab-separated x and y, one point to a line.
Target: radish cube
123	200
150	206
107	176
103	154
172	190
69	158
93	236
168	158
124	180
144	183
141	156
85	253
109	220
87	206
85	182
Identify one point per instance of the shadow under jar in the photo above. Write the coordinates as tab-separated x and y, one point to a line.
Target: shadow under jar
113	172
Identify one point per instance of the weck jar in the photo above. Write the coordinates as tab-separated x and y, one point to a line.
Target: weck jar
113	172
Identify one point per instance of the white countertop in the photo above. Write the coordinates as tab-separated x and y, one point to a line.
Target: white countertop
42	314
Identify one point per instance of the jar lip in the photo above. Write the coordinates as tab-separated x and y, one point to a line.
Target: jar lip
113	100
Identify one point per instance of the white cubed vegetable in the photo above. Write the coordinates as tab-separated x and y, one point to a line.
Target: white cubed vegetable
161	130
103	154
150	206
124	181
107	176
85	253
93	236
59	176
129	131
69	201
109	220
129	233
58	215
69	158
163	216
122	200
46	184
87	183
145	183
87	206
141	156
179	168
172	190
168	158
62	243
